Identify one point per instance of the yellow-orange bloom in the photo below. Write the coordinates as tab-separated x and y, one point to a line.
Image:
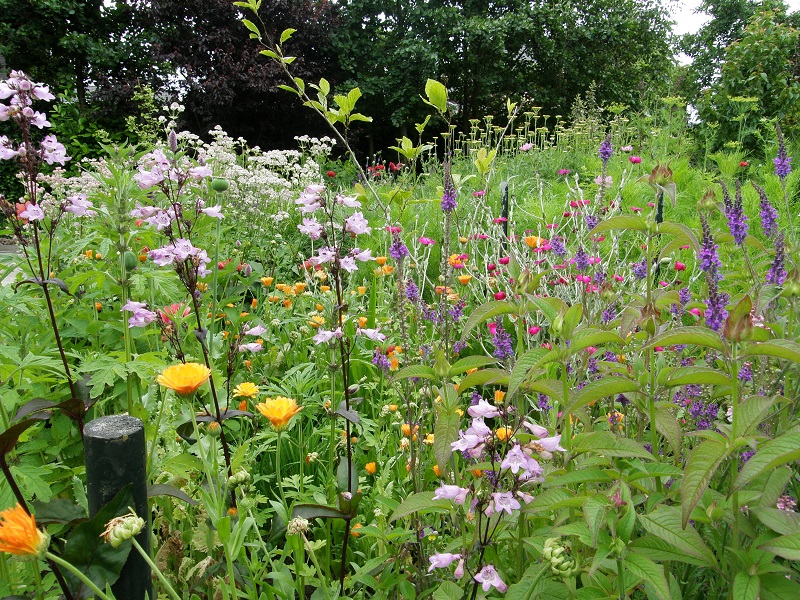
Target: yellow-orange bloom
299	288
246	389
325	288
387	269
362	322
279	411
464	279
533	241
380	260
19	535
503	433
370	468
362	289
267	281
498	396
316	320
184	378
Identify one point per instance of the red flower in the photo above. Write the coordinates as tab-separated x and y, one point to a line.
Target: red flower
744	164
331	174
679	266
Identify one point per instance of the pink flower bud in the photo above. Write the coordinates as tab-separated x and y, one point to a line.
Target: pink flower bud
500	296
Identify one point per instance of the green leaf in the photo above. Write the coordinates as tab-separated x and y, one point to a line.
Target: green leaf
699	469
693	335
774	453
594	511
531	583
785	546
785	349
656	549
317	511
522	367
437	95
448	590
668	426
485	312
445	433
419	371
251	26
88	551
422	502
696	376
483	377
620	222
607	444
777	587
58	510
746	586
752	411
783	522
286	34
607	386
584	475
665	523
644	568
470	362
592	337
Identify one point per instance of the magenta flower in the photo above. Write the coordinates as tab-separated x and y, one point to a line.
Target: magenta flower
526	147
425	241
564	172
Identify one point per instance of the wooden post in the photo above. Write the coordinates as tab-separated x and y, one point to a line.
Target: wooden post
504	211
115	457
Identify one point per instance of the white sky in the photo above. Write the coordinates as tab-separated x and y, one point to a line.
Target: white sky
688	22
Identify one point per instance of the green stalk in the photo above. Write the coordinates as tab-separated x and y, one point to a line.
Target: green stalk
214	293
78	573
734	436
37	574
313	555
278	470
158	427
173	594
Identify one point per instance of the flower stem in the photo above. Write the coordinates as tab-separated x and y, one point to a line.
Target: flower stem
278	470
173	594
77	572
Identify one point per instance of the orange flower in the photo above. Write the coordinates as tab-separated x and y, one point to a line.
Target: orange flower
267	281
287	303
436	471
316	321
462	239
533	241
498	396
370	468
325	288
299	288
19	535
362	289
387	269
254	303
354	530
319	307
243	405
394	364
464	279
381	260
184	378
393	408
279	411
362	322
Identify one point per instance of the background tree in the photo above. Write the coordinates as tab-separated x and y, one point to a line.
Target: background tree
759	82
223	78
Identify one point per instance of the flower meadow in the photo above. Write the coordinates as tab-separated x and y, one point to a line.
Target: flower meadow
532	361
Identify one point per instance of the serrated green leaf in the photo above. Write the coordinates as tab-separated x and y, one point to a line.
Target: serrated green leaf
423	502
665	523
420	371
774	453
522	368
696	376
746	586
485	312
700	468
470	362
693	335
602	388
785	349
620	222
484	377
607	444
644	568
445	433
